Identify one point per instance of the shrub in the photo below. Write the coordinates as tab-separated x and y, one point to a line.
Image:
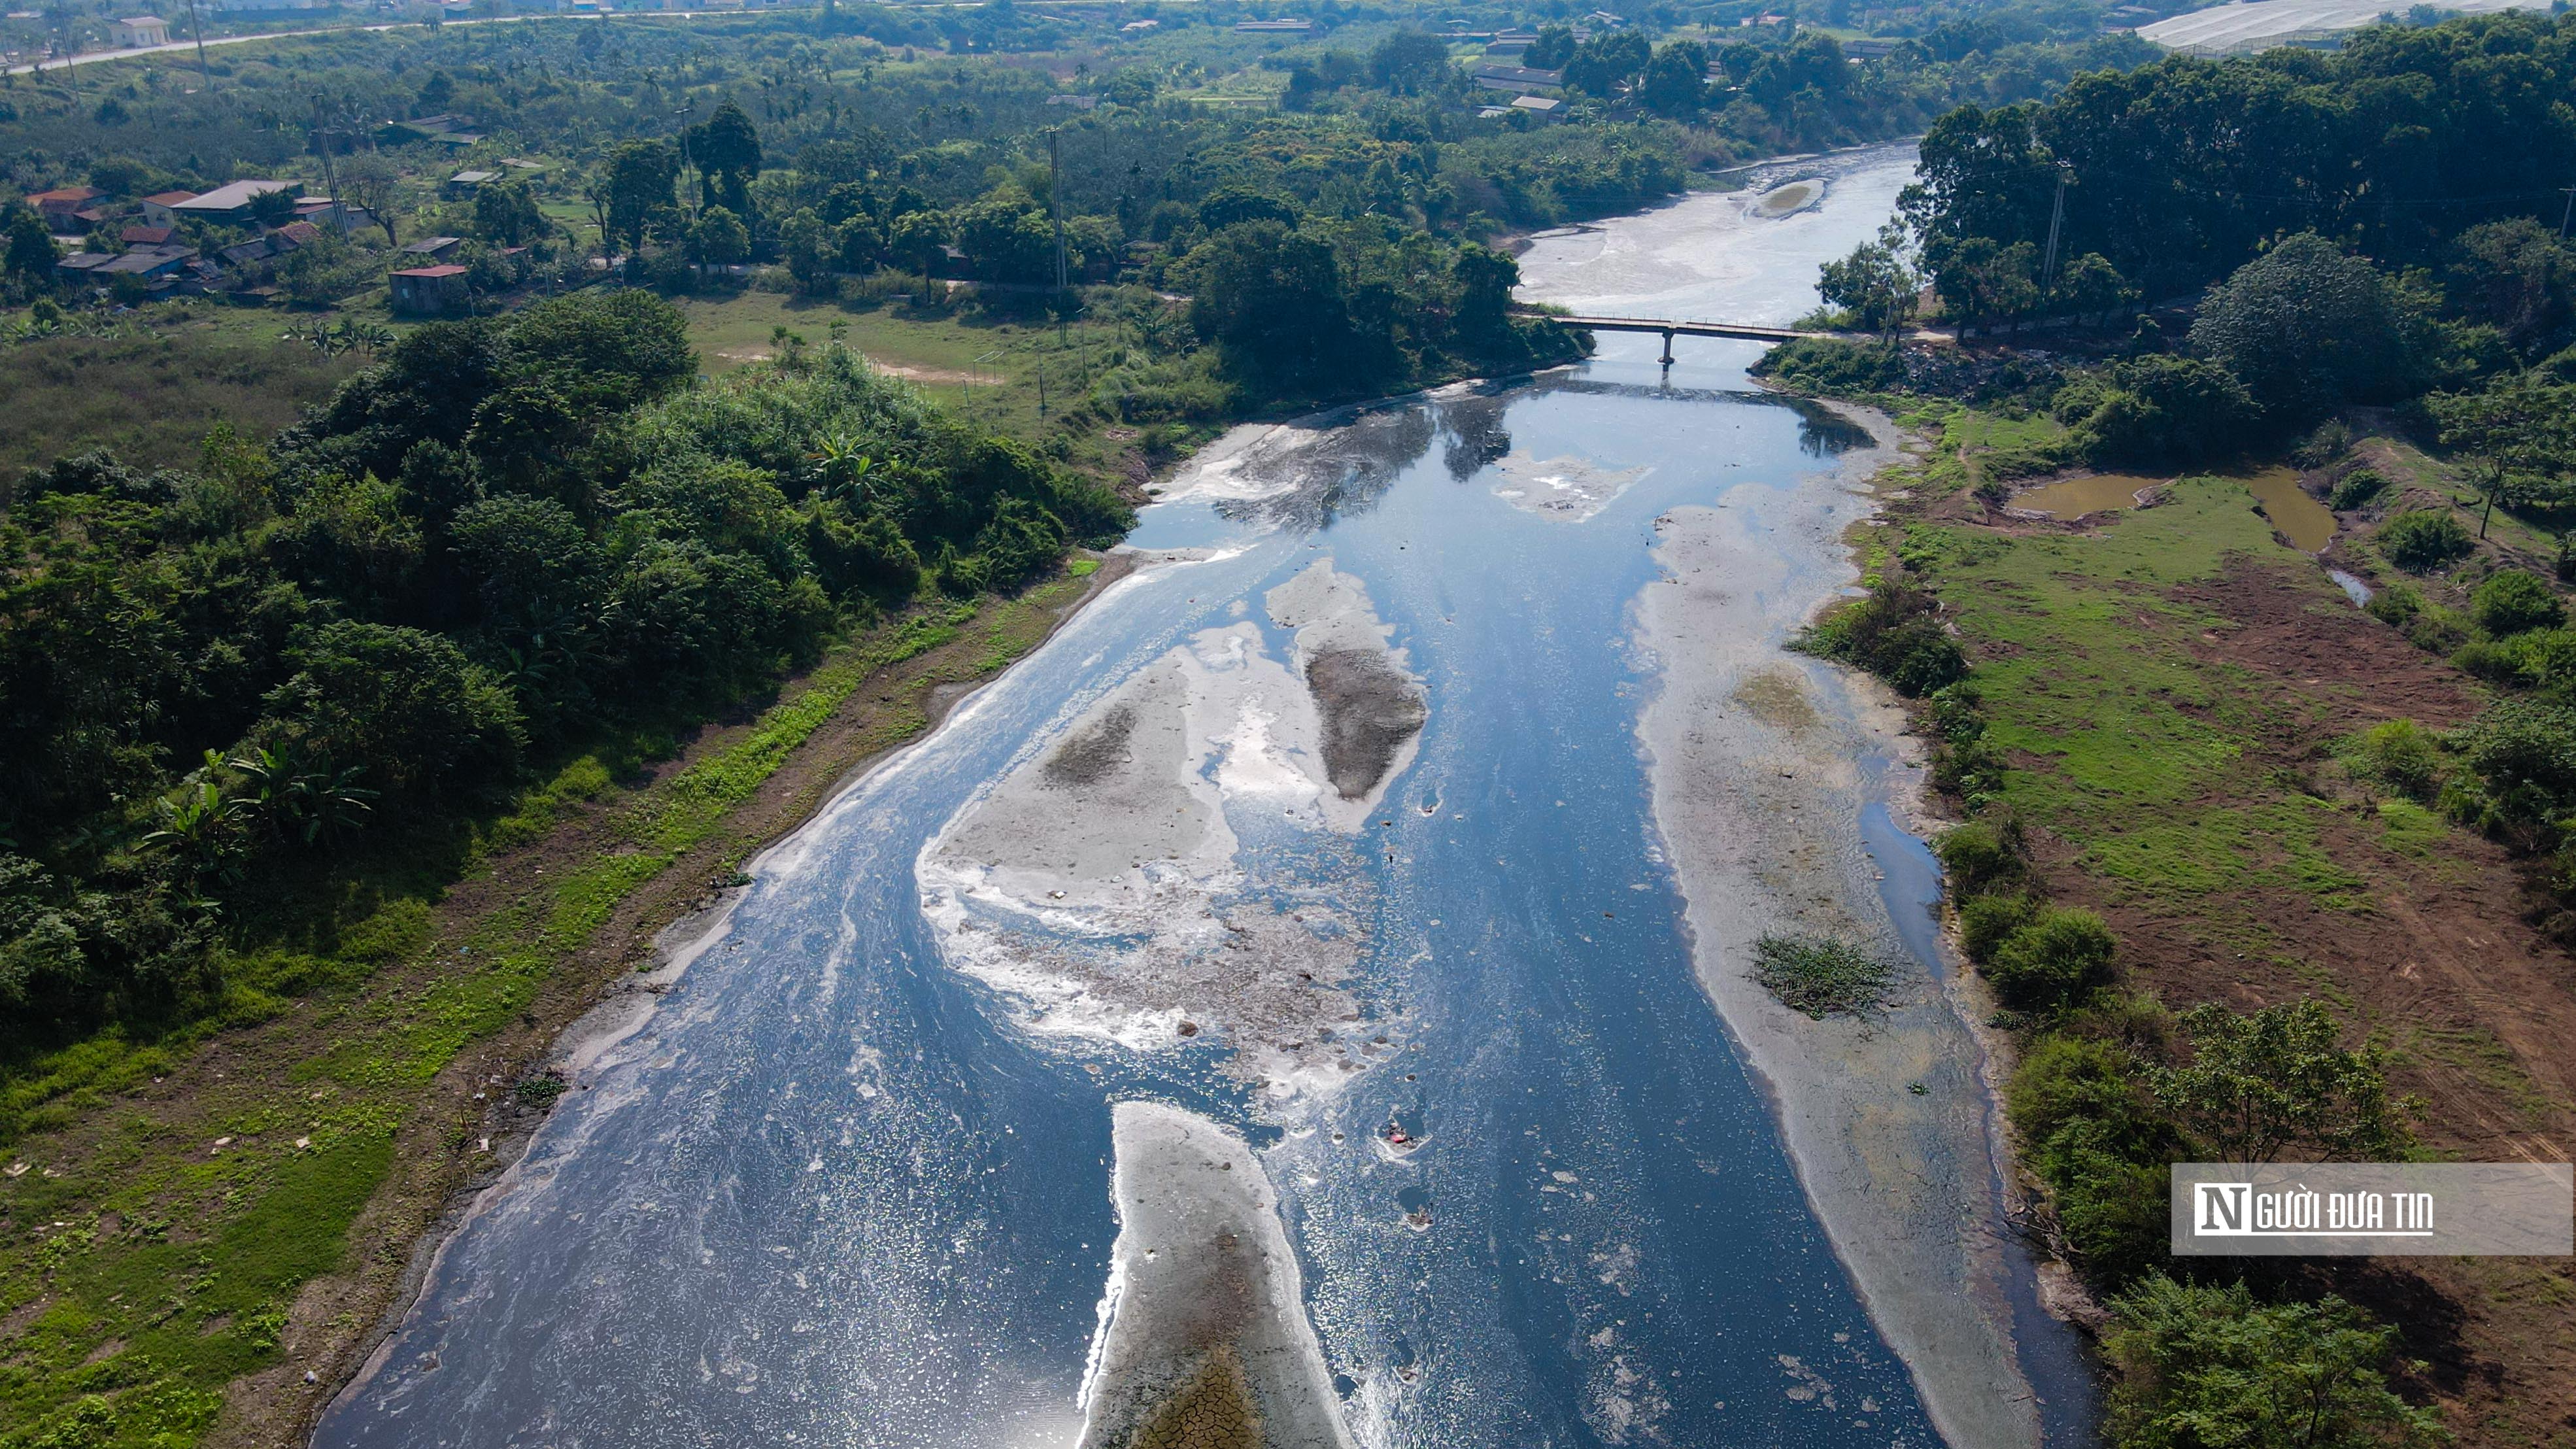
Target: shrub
1895	634
2424	540
1979	856
1821	977
2274	1081
1823	364
2402	755
2054	960
2205	1365
2355	489
2519	778
1986	922
2327	442
2158	410
2512	602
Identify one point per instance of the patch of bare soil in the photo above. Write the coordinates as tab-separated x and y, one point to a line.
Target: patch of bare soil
2437	954
1370	709
438	1158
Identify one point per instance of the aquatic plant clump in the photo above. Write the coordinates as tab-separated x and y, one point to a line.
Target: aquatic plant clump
1821	977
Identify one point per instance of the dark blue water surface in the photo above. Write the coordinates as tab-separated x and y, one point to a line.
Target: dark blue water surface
833	1193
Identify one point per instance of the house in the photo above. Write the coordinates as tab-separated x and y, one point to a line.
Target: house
146	262
1518	79
293	235
1510	42
1546	108
1079	103
232	203
1133	26
1868	49
138	30
317	209
60	205
420	128
463	183
1273	27
430	290
157	208
432	247
147	236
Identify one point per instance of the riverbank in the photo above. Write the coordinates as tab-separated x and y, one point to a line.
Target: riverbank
1763	765
2173	693
310	1159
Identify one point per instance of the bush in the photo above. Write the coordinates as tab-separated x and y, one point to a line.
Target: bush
2054	960
1895	634
1986	922
2402	755
2158	410
2355	489
2424	540
2512	602
2204	1365
1828	365
2330	440
1979	856
2519	778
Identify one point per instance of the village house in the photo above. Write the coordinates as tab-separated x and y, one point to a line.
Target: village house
432	247
138	30
146	236
1519	80
232	203
1273	27
1546	108
158	207
429	291
466	183
67	209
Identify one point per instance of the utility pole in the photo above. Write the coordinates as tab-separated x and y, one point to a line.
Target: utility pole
197	28
330	177
1055	207
2570	211
2056	224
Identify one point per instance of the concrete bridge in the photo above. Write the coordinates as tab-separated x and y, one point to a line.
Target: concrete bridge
1672	327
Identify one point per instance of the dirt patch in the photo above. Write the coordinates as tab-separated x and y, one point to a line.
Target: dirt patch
910	373
2432	951
1089	756
1370	708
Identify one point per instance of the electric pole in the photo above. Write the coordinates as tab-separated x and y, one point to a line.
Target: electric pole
2056	223
1055	208
197	28
330	177
2570	211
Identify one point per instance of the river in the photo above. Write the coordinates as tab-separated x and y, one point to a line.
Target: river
1433	771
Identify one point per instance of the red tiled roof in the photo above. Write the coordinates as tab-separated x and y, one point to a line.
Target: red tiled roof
171	198
150	236
65	195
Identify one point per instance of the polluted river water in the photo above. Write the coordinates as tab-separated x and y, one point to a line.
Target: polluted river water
1305	1002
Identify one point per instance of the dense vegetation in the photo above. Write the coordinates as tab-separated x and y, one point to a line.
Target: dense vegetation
504	538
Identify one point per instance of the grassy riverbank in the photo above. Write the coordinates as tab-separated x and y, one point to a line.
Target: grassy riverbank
194	1226
2167	708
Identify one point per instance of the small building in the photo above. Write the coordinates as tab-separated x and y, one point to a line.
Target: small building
421	128
1273	27
293	235
158	209
60	205
1546	108
232	203
432	247
1518	79
1510	42
465	183
1868	49
138	30
1079	103
1135	26
430	291
147	236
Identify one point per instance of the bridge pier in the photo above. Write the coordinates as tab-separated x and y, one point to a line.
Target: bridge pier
1668	347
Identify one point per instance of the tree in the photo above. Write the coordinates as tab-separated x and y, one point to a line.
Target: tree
2090	286
1606	62
1676	81
506	214
2275	1081
635	193
406	704
1981	283
2522	430
273	208
1874	283
1408	62
30	258
371	181
1485	281
2157	410
2306	326
1553	48
2206	1367
718	238
2517	277
1272	299
726	151
2054	960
